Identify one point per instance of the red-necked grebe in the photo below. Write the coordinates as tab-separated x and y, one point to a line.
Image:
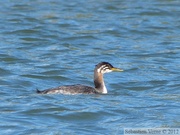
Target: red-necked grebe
100	88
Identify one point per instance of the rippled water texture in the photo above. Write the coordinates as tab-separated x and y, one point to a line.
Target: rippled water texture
47	43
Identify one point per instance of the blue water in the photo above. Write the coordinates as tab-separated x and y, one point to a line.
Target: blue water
50	43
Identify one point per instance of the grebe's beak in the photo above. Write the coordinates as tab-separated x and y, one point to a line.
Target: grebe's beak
116	69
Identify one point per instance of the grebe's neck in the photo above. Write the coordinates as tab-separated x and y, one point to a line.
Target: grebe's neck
99	83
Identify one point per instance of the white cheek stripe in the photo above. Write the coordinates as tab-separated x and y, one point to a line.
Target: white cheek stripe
100	69
103	70
107	71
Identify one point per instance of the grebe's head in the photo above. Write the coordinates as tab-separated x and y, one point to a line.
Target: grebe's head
105	67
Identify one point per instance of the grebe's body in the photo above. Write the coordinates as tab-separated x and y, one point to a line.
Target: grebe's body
100	88
70	89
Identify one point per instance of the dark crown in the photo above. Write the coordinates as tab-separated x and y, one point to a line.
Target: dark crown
107	64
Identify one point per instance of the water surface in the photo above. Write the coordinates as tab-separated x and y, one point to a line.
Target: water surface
49	43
